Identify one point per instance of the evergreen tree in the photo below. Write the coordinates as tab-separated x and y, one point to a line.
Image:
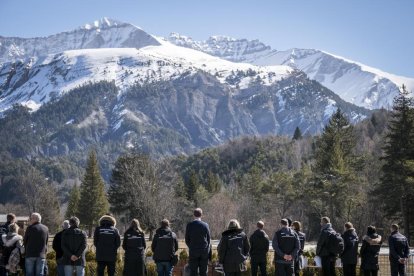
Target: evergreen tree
93	201
213	182
192	186
298	134
74	199
395	189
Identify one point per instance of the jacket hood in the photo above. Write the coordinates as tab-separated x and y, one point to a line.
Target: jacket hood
10	239
107	220
232	231
373	239
327	226
163	231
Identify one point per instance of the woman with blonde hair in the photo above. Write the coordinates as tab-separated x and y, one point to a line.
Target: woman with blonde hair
233	249
134	246
12	249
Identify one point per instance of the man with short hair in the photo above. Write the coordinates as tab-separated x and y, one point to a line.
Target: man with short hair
74	243
259	246
322	248
57	246
197	238
164	246
4	229
35	243
398	252
350	255
286	246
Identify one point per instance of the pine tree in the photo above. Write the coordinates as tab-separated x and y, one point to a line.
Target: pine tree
297	135
192	186
213	183
395	189
93	201
74	199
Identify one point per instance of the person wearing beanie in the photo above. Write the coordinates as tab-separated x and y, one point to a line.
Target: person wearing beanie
286	245
371	245
259	246
74	242
57	246
233	249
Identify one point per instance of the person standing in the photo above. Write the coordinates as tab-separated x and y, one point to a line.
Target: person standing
350	255
134	246
4	229
35	243
259	246
57	246
399	251
12	249
164	246
74	242
297	227
197	238
233	249
323	248
371	245
286	245
107	241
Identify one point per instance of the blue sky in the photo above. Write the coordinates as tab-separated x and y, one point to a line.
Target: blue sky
379	33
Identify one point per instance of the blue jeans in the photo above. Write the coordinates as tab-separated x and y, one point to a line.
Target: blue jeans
164	268
35	266
80	270
60	270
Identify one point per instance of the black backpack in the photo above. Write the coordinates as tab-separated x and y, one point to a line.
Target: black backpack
336	243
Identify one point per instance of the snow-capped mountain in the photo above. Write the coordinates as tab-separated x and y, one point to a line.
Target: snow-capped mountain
352	81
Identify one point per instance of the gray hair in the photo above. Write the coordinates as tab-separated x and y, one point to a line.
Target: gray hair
37	217
65	224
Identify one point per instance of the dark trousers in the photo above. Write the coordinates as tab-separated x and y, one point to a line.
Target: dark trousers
233	274
103	265
370	272
198	264
397	268
349	269
134	267
296	267
328	266
258	264
284	269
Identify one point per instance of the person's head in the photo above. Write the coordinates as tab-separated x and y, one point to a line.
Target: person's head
348	226
135	225
165	223
296	225
325	220
11	218
289	222
394	227
371	230
65	224
198	213
284	223
35	218
74	222
13	228
260	224
233	224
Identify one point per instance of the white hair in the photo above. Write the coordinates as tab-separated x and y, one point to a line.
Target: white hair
37	217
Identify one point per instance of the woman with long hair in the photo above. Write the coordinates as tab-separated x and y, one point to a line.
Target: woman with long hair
134	246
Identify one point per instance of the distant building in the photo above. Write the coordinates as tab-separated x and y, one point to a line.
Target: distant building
20	220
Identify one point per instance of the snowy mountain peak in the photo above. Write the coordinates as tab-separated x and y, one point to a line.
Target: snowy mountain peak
102	23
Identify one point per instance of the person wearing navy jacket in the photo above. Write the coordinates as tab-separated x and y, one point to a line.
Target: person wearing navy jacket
134	246
197	238
350	255
399	251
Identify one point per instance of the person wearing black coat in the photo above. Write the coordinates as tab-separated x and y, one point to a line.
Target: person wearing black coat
57	246
350	255
197	238
74	242
371	245
164	246
233	249
4	229
107	241
134	246
297	227
259	246
35	244
322	248
399	251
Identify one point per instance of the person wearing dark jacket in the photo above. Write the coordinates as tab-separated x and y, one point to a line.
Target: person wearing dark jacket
134	246
350	255
107	241
322	248
4	229
233	249
371	245
74	243
286	245
57	246
164	246
259	246
399	251
35	243
197	238
297	227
